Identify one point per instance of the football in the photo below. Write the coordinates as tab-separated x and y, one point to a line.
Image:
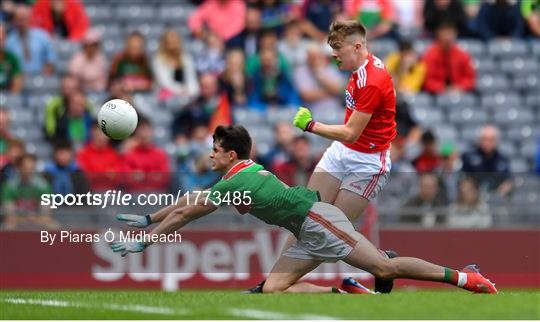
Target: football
117	119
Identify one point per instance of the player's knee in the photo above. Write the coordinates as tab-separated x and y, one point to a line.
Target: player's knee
385	270
269	288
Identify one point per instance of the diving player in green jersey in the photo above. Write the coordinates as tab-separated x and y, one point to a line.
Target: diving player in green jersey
323	232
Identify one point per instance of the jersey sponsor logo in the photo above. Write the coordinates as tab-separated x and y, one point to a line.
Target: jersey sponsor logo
362	189
349	100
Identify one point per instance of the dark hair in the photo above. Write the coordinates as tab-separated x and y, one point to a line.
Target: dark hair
265	33
428	137
235	138
446	24
406	45
62	144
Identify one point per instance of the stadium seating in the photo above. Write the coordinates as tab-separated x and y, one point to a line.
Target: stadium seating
507	92
42	85
453	100
474	47
508	48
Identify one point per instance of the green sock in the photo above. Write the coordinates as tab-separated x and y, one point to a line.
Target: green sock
335	290
451	276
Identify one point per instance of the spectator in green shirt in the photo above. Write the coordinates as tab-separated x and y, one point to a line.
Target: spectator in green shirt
10	68
21	198
55	110
72	123
530	10
15	148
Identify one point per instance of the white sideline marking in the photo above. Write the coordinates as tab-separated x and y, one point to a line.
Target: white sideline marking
249	313
111	306
271	315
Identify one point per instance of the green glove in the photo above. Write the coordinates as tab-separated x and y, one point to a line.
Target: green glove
303	119
135	220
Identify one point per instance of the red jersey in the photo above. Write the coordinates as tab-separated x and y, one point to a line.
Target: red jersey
371	90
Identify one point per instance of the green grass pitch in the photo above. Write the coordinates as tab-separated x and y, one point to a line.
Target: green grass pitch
188	304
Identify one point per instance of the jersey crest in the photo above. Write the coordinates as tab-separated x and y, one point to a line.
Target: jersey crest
350	102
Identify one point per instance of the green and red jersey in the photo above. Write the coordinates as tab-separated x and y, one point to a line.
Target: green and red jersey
270	199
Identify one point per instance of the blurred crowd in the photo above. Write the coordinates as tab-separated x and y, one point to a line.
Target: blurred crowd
254	55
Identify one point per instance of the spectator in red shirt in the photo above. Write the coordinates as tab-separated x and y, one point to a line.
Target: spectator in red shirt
449	68
296	171
146	165
429	159
64	18
100	162
225	18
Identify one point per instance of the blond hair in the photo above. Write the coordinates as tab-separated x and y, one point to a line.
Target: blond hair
176	57
341	29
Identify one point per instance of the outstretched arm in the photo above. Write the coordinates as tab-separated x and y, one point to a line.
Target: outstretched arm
173	221
142	221
181	217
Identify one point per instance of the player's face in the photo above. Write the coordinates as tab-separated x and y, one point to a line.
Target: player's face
221	159
346	54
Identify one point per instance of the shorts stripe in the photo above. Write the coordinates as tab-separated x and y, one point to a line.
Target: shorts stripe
375	179
372	182
383	168
333	229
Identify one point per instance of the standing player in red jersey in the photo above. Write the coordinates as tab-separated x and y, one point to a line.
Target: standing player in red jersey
355	168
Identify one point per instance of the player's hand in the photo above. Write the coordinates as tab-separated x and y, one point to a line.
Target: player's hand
135	220
127	247
303	119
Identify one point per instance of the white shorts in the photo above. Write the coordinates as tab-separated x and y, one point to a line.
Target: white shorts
362	173
326	235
